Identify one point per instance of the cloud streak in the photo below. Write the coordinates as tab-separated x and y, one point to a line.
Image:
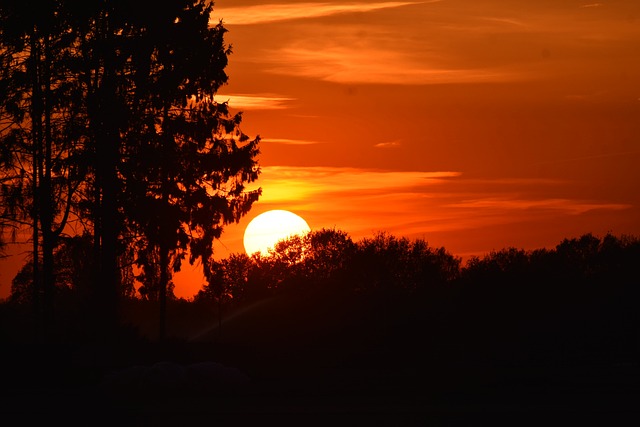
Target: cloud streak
288	184
389	144
570	207
360	63
255	102
286	141
436	45
267	13
361	201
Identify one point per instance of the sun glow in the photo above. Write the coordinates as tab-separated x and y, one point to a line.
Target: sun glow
268	228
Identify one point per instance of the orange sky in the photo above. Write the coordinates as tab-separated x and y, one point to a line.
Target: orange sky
473	124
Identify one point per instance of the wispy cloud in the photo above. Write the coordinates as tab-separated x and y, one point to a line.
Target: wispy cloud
297	184
362	200
512	22
389	144
570	207
286	141
364	63
255	102
266	13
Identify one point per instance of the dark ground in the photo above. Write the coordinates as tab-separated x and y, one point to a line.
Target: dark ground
293	360
379	394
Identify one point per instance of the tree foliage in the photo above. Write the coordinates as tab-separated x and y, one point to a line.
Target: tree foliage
330	258
109	115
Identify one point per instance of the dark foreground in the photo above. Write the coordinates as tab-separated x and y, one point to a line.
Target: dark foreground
290	359
379	392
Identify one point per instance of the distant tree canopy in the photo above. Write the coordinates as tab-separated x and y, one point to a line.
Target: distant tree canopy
581	260
573	302
390	265
577	299
108	117
382	264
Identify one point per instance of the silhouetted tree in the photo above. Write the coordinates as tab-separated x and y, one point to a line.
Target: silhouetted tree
327	254
503	268
22	285
116	99
73	272
187	161
386	263
231	280
41	131
149	276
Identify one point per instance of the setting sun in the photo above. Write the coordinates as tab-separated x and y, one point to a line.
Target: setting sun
268	228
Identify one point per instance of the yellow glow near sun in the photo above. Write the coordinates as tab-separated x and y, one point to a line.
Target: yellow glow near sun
268	228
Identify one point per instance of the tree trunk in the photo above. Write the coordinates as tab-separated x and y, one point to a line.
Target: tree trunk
165	227
36	123
107	135
109	231
164	280
46	197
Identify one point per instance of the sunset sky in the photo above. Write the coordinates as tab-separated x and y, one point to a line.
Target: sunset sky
473	124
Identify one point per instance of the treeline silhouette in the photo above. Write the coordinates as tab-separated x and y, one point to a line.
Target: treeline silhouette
577	300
